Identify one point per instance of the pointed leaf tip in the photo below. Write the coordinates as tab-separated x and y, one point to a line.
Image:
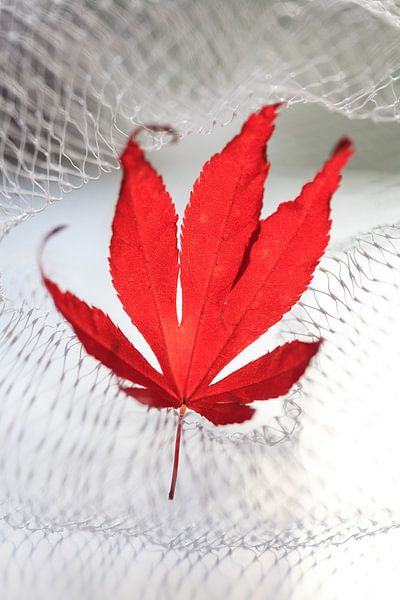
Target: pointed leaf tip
344	144
340	155
43	244
131	155
270	110
270	376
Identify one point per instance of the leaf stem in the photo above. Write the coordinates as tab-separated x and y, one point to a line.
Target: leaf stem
182	411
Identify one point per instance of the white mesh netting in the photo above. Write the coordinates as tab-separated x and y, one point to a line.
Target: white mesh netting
305	502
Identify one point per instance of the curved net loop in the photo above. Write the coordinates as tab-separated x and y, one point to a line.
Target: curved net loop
105	462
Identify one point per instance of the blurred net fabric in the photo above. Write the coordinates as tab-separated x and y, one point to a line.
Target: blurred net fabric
301	503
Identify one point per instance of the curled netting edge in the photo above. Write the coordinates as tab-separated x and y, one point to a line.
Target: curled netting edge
360	250
78	125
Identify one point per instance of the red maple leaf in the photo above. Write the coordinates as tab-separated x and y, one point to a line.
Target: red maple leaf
239	275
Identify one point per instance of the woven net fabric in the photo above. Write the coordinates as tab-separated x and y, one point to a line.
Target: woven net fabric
302	503
76	77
